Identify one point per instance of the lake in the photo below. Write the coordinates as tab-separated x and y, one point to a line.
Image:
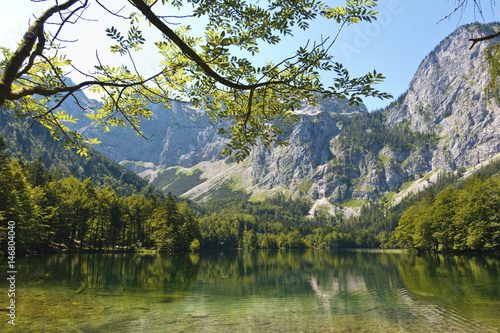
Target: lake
255	291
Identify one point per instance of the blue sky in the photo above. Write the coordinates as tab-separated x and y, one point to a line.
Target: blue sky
407	30
395	44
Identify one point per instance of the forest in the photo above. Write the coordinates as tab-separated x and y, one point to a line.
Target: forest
473	220
28	142
56	212
367	132
466	219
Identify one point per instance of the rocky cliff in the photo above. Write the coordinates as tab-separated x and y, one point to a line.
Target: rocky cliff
446	97
339	156
444	118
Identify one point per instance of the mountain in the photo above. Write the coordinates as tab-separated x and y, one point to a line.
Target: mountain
184	154
339	156
441	124
446	98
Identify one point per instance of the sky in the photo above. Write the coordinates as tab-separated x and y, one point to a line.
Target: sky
394	45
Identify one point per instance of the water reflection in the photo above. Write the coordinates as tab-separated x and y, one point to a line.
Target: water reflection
110	273
462	292
259	291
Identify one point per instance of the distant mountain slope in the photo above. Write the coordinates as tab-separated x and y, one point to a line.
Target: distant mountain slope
340	157
178	136
183	138
30	142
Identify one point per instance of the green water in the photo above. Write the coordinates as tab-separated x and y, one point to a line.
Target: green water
255	291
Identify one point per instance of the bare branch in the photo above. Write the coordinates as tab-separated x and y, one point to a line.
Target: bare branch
58	104
67	18
481	39
249	109
461	6
458	7
176	16
114	14
83	108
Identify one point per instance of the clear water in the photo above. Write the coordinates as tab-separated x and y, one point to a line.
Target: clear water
255	291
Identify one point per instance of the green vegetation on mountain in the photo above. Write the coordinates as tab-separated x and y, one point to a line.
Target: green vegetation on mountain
468	215
31	142
238	223
369	132
176	181
54	213
280	222
277	222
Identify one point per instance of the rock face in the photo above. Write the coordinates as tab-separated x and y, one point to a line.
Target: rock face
302	163
446	97
177	136
442	123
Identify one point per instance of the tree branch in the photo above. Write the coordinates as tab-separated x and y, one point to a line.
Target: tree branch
38	52
190	53
157	22
15	63
249	109
114	14
36	90
481	39
66	19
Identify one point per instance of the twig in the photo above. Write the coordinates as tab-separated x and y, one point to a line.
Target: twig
480	39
